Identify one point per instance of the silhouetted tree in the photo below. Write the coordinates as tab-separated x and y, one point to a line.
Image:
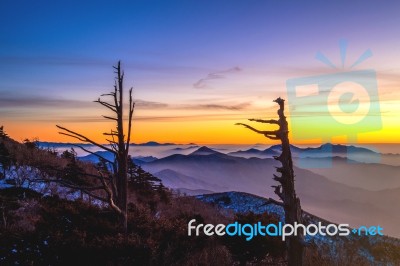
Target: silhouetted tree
286	189
114	185
5	157
73	171
3	134
69	154
140	179
31	144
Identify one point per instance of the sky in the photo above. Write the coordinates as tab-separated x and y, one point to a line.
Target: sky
199	67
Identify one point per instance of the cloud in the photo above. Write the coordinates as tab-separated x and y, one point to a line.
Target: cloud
149	104
202	83
89	62
147	118
185	118
17	102
53	61
30	101
235	107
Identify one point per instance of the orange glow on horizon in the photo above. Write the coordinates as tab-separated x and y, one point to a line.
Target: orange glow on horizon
183	132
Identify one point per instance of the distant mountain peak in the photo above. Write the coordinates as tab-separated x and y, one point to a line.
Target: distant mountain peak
341	148
252	150
204	150
153	143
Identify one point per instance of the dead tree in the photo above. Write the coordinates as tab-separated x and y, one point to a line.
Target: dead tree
285	189
115	185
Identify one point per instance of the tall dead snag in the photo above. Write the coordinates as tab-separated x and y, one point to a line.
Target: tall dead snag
115	184
285	190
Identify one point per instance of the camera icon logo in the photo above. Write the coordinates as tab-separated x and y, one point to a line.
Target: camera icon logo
344	103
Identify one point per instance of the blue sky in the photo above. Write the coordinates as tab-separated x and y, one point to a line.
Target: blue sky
55	57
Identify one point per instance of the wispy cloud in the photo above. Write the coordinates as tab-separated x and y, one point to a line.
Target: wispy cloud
209	106
149	104
53	61
17	102
185	118
231	107
202	83
89	62
30	101
11	101
147	118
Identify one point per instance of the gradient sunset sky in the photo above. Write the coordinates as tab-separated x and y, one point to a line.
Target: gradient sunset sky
197	67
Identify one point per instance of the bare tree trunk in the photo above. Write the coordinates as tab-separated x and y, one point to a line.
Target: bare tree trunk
122	187
286	189
116	185
288	193
122	156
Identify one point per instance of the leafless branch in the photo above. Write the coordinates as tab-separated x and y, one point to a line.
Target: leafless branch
110	197
131	108
109	106
83	138
109	117
265	133
110	134
271	121
95	154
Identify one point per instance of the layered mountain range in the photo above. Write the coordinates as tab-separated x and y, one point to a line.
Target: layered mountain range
343	184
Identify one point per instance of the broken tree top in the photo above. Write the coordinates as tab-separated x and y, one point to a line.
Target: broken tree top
274	134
